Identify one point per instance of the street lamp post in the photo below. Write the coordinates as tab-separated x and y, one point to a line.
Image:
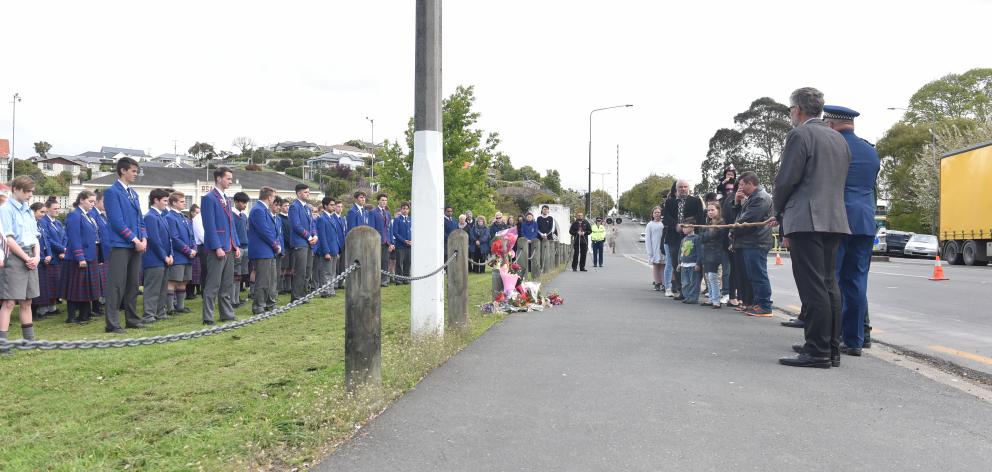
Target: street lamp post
589	187
372	167
13	129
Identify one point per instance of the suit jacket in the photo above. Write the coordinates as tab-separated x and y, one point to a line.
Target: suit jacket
218	222
809	187
56	236
264	241
341	229
327	238
159	240
357	216
380	219
299	225
859	188
82	236
401	231
124	215
450	224
181	234
693	207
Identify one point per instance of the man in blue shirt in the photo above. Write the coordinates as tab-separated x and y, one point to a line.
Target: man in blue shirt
157	259
301	239
401	240
264	246
19	273
127	242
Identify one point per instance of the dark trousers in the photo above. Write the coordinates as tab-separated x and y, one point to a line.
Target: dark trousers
384	263
299	255
579	250
814	262
853	261
741	284
726	284
341	264
479	258
403	260
673	253
597	253
122	287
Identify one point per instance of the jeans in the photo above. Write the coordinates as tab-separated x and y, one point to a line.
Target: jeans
673	249
668	268
756	267
597	253
725	263
713	281
690	284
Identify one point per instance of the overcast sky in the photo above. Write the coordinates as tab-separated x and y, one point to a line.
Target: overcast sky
140	74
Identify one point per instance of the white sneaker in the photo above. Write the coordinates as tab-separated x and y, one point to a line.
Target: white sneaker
725	299
668	293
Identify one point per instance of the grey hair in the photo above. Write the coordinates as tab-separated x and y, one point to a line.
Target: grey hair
809	100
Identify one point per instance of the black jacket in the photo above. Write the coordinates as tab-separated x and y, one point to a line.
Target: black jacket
757	208
546	225
715	244
693	208
584	225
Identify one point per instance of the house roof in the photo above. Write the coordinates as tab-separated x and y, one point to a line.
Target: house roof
167	177
56	159
88	159
296	143
333	157
130	152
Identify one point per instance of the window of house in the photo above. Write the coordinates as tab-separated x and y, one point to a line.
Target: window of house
47	166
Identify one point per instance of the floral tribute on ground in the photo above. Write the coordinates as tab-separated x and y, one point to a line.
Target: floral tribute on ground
517	294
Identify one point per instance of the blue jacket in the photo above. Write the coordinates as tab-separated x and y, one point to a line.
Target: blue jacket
101	221
528	230
481	234
218	222
241	227
277	223
285	230
327	238
181	234
859	189
450	224
159	240
82	236
357	216
264	238
44	249
401	231
341	230
300	225
55	234
380	220
124	215
313	228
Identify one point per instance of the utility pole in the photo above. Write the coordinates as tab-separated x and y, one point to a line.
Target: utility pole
13	129
372	167
427	295
617	203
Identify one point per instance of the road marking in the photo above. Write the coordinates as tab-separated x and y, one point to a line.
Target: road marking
637	259
966	355
900	275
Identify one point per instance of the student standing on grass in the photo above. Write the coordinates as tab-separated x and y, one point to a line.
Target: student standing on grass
39	210
48	298
128	240
196	285
402	239
341	228
357	216
18	273
301	239
264	247
221	242
184	253
653	234
380	218
286	264
99	214
157	259
241	269
327	248
82	283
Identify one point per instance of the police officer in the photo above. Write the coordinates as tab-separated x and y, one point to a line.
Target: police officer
854	253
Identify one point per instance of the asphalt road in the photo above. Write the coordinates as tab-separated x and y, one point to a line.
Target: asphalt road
622	378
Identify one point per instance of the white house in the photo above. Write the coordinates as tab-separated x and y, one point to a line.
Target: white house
175	159
54	164
295	146
330	159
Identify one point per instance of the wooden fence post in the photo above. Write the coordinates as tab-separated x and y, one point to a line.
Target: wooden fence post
363	309
458	279
522	253
537	262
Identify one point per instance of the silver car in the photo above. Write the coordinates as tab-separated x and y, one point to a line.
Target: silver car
921	245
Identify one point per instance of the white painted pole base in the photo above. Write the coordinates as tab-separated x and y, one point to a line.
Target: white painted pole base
427	295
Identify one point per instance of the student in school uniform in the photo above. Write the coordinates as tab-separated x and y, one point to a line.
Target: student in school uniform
82	283
286	264
301	239
99	214
220	242
195	286
358	215
157	260
183	253
340	224
264	247
401	231
327	248
19	275
39	210
241	265
55	235
127	240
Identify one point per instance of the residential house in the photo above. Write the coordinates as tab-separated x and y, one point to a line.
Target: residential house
4	158
54	164
295	146
327	160
175	159
135	154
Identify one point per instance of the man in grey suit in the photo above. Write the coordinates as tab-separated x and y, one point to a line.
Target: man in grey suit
809	204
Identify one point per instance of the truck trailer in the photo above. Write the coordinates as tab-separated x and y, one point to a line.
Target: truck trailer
965	207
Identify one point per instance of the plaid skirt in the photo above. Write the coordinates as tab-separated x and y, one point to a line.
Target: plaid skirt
81	284
48	284
196	271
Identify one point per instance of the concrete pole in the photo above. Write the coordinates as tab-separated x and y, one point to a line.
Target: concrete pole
427	295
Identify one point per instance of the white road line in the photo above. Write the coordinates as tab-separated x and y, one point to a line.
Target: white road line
900	275
637	259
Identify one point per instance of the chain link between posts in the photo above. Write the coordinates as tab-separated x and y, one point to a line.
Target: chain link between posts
168	338
454	255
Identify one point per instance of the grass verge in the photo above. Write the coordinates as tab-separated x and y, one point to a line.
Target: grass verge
267	396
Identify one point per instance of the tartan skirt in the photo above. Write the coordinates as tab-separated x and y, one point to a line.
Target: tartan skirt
82	284
195	279
48	284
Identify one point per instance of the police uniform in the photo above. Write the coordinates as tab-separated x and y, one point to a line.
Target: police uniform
854	253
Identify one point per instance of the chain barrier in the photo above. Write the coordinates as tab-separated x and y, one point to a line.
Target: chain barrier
482	264
454	255
168	338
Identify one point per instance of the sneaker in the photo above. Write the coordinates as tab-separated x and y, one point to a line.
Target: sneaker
717	306
758	311
668	293
657	287
705	303
725	299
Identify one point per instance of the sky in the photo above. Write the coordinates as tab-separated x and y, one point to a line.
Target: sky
160	76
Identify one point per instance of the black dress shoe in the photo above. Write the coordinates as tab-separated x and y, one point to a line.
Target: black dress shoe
794	323
806	360
583	270
851	351
135	326
866	344
114	330
209	323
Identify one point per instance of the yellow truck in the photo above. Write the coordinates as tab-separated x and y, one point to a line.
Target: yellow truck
965	207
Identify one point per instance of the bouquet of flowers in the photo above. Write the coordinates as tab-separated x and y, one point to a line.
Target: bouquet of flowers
555	299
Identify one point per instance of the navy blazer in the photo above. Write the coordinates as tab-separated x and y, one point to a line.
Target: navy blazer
401	231
44	249
380	219
82	236
286	230
277	221
104	228
300	224
124	215
181	234
55	234
450	224
218	222
241	227
859	188
264	238
159	240
357	216
341	229
327	238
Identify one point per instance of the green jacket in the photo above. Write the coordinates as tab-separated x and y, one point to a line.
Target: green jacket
598	233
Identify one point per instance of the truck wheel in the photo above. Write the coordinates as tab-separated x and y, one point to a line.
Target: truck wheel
970	254
952	253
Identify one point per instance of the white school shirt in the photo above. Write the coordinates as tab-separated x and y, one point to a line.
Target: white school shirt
198	229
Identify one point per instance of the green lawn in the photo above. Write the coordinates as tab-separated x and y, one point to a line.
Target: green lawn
267	396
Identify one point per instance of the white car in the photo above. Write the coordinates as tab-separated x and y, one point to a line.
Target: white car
921	245
643	237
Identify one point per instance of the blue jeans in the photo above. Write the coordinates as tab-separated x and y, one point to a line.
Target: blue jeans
597	253
713	283
725	263
690	284
756	268
669	268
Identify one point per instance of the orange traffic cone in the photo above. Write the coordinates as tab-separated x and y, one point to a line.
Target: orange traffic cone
778	258
938	271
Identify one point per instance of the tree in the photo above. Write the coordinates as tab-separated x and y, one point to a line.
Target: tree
202	152
648	193
552	181
245	144
726	147
953	96
356	143
253	167
281	165
467	154
25	167
763	128
601	203
42	148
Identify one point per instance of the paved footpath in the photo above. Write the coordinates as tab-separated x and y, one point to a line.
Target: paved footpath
621	378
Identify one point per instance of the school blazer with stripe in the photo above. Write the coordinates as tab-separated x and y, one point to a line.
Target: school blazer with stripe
264	241
181	235
124	216
327	238
159	240
82	236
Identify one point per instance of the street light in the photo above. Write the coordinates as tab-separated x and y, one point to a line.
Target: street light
589	194
372	174
13	129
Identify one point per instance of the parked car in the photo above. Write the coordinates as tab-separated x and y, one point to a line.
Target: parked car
880	246
895	241
921	245
642	238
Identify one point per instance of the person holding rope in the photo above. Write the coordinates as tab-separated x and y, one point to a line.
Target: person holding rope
754	241
580	230
678	208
